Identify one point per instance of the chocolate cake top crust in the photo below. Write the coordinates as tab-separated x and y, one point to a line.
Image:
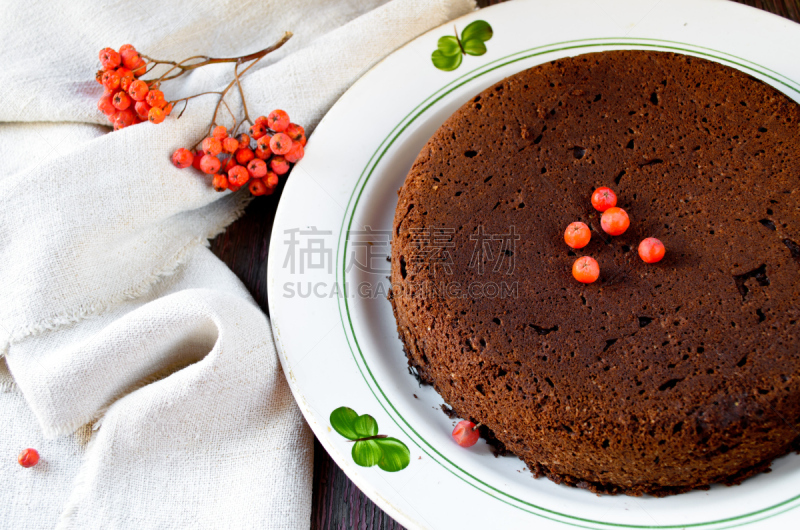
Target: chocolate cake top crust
657	378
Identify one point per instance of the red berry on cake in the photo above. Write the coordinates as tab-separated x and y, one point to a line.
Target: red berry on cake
182	158
28	457
577	235
603	199
586	269
651	250
615	221
465	434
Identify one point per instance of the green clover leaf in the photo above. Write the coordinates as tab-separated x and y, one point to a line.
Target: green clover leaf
396	455
367	453
474	47
448	46
450	49
478	30
366	426
442	62
343	420
369	447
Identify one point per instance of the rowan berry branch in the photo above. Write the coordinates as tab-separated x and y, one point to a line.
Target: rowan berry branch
241	93
212	60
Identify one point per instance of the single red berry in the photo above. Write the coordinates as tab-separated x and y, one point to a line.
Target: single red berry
278	120
140	67
124	118
142	110
262	120
244	141
577	235
182	158
211	146
586	269
105	106
210	164
263	143
271	180
229	163
28	457
230	145
257	168
615	221
220	182
98	76
109	58
238	176
243	156
111	80
279	165
465	434
651	250
257	187
121	100
155	115
155	98
138	90
167	108
603	199
295	132
220	132
280	143
257	130
130	57
125	78
295	153
302	140
198	158
262	154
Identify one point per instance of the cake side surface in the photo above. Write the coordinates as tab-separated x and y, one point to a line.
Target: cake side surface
657	378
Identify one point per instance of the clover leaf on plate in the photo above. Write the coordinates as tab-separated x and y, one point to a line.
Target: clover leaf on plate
369	447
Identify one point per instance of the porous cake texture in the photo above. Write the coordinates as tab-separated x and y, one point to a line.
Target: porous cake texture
658	378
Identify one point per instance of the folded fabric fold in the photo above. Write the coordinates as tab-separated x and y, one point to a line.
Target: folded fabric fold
113	312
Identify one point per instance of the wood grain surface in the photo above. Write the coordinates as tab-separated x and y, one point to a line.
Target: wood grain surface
337	502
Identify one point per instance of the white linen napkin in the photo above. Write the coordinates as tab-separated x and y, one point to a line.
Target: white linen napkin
113	312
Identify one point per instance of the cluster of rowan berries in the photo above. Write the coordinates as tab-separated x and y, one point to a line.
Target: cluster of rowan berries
258	158
128	100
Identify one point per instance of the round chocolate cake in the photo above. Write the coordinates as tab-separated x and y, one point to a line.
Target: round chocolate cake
657	378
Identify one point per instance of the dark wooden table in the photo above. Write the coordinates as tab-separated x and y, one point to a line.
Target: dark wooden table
337	502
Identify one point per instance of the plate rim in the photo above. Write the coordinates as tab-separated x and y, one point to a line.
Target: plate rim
361	480
350	211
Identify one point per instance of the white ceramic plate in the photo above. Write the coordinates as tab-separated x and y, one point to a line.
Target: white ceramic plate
335	330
